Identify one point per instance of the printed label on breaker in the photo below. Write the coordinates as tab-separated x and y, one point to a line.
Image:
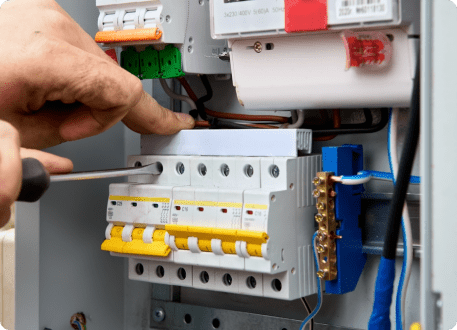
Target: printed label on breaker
361	8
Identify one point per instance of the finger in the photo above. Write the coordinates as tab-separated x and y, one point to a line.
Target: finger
107	91
10	169
150	117
53	164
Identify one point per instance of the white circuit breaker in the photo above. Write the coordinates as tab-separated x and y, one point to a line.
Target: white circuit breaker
223	223
183	23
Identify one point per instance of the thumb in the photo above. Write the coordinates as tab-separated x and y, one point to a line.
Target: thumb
53	164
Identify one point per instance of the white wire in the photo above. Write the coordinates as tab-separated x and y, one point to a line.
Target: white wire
405	214
304	302
179	97
351	182
300	119
365	176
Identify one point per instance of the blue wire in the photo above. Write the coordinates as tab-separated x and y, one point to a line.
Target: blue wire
319	298
78	324
398	311
380	175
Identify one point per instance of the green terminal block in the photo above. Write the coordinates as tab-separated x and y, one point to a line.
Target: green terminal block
149	63
130	61
170	62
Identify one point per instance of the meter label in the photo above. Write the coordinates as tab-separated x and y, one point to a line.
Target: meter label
361	8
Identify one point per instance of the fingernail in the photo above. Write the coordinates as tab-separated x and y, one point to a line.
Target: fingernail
184	117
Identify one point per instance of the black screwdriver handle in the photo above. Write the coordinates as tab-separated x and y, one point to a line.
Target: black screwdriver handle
35	180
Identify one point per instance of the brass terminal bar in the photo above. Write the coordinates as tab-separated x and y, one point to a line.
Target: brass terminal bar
325	217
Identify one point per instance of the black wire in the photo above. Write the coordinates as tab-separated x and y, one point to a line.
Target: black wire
356	128
209	95
308	309
368	117
404	172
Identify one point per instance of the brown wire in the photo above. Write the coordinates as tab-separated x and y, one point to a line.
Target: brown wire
336	124
202	123
225	115
205	123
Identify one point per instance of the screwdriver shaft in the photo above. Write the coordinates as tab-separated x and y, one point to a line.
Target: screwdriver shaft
151	169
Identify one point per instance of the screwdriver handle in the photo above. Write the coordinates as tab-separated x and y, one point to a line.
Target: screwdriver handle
35	180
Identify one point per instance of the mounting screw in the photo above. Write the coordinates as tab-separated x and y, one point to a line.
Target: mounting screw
158	315
258	47
168	18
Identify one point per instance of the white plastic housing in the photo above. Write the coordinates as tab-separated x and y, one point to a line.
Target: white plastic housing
308	72
250	142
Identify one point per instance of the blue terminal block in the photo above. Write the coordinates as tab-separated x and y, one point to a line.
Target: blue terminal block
346	160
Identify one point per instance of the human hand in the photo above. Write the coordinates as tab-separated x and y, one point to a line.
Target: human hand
57	85
11	167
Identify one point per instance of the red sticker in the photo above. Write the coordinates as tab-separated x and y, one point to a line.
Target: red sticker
305	15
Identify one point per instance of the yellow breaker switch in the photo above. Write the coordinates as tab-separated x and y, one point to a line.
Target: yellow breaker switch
228	237
137	246
115	244
156	248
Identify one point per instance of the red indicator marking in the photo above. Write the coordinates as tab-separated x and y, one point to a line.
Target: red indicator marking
250	212
224	210
178	208
201	209
305	15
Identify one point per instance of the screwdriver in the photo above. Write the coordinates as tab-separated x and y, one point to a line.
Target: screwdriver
36	179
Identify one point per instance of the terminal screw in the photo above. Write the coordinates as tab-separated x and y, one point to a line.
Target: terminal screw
180	168
321	273
321	206
321	248
316	193
317	181
319	217
274	171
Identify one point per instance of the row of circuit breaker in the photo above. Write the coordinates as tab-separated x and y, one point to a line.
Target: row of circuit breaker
245	214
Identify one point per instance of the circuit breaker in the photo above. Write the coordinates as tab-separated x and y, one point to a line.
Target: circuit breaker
181	25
